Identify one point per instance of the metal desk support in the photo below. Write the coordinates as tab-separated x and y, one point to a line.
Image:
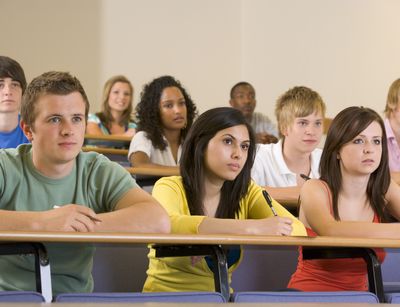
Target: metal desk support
42	264
216	251
368	254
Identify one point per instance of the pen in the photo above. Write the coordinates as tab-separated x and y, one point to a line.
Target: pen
305	177
269	202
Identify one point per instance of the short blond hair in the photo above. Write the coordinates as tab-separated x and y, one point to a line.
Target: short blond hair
392	100
299	101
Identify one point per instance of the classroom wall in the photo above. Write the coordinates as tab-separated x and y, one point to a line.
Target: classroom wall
345	49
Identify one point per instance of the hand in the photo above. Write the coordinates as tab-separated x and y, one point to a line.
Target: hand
279	226
265	138
70	218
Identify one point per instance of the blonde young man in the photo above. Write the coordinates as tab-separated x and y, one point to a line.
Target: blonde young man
278	167
51	185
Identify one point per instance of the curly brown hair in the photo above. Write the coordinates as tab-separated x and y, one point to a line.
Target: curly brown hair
148	110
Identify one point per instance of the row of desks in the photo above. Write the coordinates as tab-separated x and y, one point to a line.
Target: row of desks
167	245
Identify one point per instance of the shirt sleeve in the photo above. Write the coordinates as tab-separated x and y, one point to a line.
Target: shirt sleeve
93	118
108	184
132	125
258	208
257	171
140	142
169	193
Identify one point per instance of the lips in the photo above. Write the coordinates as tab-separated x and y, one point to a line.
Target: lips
67	144
234	166
369	161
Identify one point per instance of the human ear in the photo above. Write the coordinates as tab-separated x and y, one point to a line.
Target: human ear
27	130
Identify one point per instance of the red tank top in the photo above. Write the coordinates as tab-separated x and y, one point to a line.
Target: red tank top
332	274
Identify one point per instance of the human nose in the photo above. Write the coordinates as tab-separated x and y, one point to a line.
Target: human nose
237	152
178	109
66	129
368	148
7	89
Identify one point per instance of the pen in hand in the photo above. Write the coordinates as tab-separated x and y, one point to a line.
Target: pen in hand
269	202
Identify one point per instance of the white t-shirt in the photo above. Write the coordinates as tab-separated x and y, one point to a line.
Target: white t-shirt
270	168
140	142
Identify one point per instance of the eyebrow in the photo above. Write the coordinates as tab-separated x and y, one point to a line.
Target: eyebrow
61	115
228	134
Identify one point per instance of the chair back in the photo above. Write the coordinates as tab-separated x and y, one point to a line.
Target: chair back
21	296
296	296
132	297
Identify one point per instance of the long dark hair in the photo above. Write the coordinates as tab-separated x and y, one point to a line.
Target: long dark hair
148	110
344	128
192	162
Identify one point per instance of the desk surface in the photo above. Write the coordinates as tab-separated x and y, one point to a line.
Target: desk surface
153	171
105	137
211	239
106	150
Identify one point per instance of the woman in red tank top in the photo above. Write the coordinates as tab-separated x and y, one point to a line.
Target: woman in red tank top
354	197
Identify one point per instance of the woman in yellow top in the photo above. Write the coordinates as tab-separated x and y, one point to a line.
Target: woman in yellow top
214	195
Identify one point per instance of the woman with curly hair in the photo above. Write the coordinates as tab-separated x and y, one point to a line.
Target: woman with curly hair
116	115
165	113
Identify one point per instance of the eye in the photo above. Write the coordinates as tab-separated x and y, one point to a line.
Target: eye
318	124
15	85
245	146
182	103
358	141
54	120
77	119
1	85
302	123
377	141
168	105
227	141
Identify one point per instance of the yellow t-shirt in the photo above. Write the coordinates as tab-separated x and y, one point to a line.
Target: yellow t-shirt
178	273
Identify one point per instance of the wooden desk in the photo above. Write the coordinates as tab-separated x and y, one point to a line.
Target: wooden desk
106	150
153	171
109	137
212	242
107	142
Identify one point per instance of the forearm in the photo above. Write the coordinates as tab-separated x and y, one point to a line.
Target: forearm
226	226
21	220
143	217
360	229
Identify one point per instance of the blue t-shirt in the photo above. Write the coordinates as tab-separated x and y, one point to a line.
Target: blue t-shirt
13	138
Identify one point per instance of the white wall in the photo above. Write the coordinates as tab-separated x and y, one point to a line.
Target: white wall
45	35
198	42
348	50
